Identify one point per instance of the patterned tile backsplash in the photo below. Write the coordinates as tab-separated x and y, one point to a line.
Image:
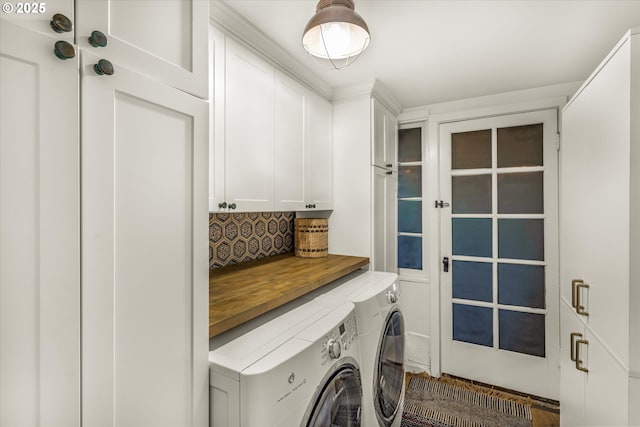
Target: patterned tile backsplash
239	237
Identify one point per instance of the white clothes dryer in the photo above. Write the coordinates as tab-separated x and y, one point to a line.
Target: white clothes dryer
311	379
381	332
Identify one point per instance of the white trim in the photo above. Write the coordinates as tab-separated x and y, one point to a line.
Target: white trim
232	23
372	88
604	62
413	115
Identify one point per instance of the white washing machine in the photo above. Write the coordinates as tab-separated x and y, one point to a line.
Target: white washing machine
381	331
311	378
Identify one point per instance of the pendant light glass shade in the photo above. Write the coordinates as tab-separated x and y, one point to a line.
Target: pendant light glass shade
336	35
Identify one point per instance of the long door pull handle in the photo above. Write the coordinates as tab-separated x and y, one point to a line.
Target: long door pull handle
574	335
578	358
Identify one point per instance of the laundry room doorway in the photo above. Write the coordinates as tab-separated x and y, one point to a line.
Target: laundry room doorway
499	251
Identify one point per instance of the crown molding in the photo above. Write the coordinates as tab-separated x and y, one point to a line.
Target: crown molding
372	88
234	24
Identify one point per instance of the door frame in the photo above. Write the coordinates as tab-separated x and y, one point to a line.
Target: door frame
431	174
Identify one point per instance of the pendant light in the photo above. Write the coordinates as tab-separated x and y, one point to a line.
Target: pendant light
336	35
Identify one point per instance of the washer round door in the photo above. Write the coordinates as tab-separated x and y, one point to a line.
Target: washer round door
338	401
389	375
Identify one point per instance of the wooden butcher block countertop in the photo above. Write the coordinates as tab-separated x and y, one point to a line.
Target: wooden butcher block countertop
241	292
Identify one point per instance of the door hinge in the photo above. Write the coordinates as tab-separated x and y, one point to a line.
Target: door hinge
441	204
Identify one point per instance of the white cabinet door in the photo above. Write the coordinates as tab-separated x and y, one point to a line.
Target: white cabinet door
37	16
164	40
291	120
319	157
572	380
595	166
385	134
144	252
39	232
249	127
384	245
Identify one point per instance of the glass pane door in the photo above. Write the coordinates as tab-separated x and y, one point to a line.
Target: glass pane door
500	232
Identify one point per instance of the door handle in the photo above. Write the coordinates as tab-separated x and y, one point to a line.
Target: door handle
445	264
578	358
576	302
574	335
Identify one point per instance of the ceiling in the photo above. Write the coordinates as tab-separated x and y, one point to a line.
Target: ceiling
431	51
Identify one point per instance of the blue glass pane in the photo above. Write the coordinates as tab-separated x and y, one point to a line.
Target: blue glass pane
520	193
471	194
472	236
409	181
409	216
410	252
472	280
410	145
521	239
522	332
521	285
473	324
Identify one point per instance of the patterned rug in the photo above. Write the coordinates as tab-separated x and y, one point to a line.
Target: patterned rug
433	403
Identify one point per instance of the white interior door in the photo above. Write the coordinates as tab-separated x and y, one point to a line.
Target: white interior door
144	252
499	299
39	232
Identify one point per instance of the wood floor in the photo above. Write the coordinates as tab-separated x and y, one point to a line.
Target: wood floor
544	412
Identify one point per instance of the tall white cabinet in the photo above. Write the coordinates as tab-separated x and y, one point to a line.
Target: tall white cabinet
104	272
365	132
600	244
39	232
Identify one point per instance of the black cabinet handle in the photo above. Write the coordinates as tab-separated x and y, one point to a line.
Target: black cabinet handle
97	39
445	264
64	50
60	23
103	67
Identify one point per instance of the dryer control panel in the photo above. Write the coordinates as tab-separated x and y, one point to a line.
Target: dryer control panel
339	339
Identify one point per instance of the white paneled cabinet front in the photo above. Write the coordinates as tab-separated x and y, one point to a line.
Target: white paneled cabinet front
291	147
37	16
39	232
600	246
144	255
248	130
164	40
303	148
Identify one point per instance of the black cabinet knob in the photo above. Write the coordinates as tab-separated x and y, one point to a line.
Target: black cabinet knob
97	39
103	67
61	24
222	205
232	205
64	50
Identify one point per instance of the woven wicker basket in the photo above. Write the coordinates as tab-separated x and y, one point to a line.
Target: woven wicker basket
312	237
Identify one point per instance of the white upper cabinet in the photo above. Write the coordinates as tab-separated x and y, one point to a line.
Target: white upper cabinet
303	148
291	134
164	40
38	16
272	143
385	133
39	232
319	159
248	130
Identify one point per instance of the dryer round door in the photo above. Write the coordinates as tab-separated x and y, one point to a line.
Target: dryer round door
338	401
389	375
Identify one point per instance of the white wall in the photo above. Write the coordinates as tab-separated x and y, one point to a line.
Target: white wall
350	222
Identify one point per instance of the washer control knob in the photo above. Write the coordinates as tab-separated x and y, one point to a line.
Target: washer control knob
335	349
392	296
